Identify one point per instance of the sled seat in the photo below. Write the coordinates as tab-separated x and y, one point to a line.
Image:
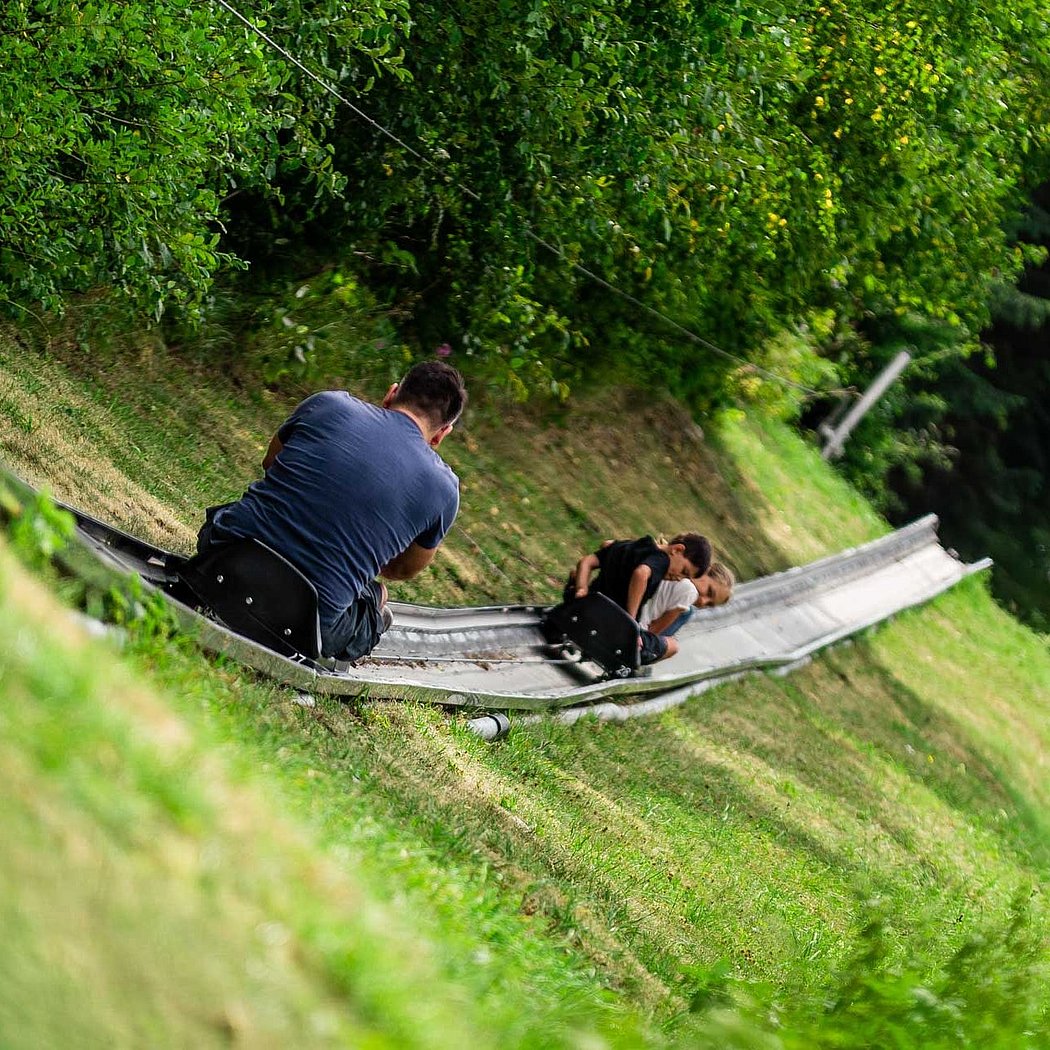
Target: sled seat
257	593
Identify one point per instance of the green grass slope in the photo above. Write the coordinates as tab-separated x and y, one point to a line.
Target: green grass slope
848	856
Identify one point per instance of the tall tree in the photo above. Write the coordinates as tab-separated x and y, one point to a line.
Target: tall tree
995	499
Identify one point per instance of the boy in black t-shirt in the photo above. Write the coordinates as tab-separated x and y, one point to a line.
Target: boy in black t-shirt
630	571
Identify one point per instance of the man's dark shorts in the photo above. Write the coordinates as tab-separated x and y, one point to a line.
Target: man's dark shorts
356	631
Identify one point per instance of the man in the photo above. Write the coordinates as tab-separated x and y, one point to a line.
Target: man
631	571
352	491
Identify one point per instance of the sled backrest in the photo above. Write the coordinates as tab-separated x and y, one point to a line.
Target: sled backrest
600	629
258	593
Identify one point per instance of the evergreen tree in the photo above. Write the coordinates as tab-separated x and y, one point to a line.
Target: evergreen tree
994	498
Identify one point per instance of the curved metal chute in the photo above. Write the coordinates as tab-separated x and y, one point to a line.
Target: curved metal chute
497	657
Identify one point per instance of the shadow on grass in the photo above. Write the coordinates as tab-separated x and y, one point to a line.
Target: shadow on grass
849	718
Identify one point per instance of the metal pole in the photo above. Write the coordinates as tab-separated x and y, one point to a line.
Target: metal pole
836	436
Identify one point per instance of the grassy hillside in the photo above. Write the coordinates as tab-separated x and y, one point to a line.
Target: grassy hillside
847	856
147	441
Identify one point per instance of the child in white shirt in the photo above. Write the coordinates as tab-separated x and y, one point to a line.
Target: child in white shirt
674	601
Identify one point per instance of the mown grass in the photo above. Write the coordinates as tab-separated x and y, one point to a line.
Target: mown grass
843	857
163	887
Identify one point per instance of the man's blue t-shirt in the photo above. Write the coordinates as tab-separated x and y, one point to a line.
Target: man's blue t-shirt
353	487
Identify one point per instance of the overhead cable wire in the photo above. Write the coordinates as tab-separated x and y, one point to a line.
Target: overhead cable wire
356	110
706	343
529	232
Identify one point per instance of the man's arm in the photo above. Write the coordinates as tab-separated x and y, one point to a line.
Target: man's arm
302	410
272	452
636	589
582	574
410	562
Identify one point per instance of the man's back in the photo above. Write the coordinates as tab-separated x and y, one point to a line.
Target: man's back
351	488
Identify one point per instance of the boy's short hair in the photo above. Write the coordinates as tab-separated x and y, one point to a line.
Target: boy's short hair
434	389
723	576
697	550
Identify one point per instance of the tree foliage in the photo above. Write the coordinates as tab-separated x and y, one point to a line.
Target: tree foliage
746	168
124	128
736	166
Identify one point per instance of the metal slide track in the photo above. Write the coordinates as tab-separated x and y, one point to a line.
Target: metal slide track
496	658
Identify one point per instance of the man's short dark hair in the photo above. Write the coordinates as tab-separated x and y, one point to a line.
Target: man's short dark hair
435	390
697	550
